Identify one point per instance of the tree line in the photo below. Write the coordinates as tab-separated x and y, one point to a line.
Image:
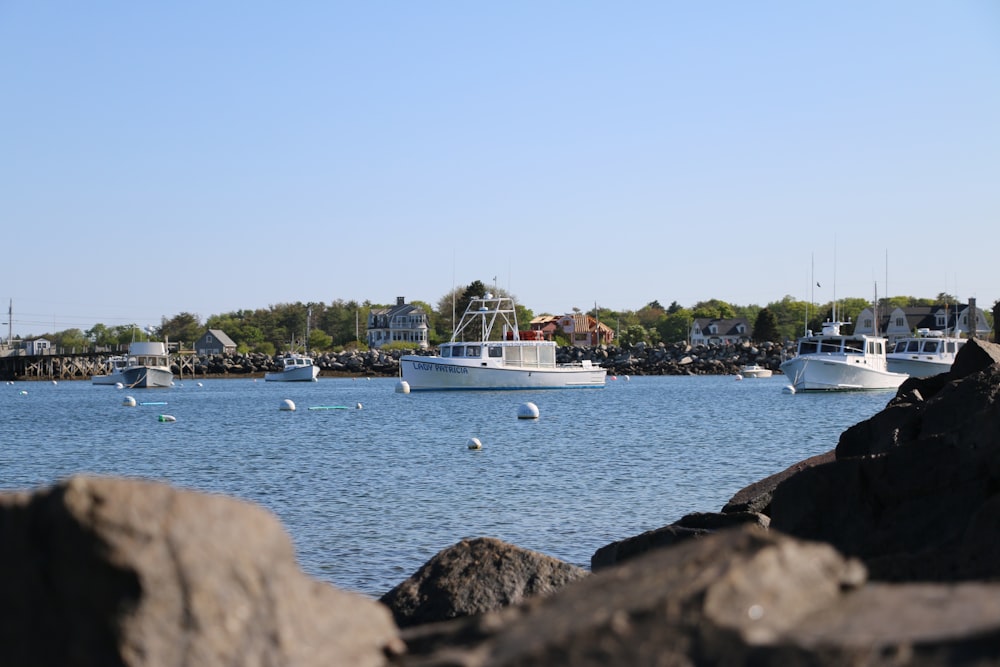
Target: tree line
338	325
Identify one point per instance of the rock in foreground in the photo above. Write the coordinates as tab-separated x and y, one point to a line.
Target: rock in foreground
108	572
476	576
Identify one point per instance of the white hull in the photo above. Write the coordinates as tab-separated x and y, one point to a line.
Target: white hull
755	372
113	378
147	377
435	374
834	374
918	368
299	374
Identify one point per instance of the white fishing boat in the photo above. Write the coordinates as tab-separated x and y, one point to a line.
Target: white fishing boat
498	356
835	362
114	365
755	371
928	353
294	368
147	366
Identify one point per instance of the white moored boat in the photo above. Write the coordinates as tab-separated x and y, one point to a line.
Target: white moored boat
499	356
115	365
294	368
148	366
755	371
835	362
928	353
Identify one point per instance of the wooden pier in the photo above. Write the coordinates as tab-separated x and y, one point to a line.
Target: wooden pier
81	366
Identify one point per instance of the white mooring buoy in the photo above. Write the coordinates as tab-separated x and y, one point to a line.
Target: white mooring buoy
288	405
128	402
403	387
527	411
166	418
358	406
788	389
475	444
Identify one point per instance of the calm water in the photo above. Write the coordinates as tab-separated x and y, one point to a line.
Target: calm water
368	495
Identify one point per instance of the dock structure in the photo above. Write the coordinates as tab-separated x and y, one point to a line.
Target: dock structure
78	366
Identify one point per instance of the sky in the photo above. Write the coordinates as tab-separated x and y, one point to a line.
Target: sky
182	157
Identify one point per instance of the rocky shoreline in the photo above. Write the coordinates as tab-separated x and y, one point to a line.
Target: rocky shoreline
882	551
639	359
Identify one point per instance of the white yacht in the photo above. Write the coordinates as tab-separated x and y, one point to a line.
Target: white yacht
114	365
497	356
928	353
294	368
832	361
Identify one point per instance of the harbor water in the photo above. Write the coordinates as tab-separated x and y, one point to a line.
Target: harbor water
374	483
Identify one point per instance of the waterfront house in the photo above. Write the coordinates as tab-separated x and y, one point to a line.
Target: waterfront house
952	320
403	322
720	331
582	330
214	341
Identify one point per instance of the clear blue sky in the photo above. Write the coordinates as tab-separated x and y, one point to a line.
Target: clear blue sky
158	158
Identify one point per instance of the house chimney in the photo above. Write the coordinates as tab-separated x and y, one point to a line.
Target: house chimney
973	318
400	300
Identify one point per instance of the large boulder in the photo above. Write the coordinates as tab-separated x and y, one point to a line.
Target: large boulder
737	597
915	490
105	572
475	576
690	526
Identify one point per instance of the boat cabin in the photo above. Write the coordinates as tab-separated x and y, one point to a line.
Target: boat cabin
511	353
929	345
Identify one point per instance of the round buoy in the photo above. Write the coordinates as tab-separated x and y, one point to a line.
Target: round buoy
403	387
288	405
475	444
626	378
54	382
200	384
23	392
166	418
358	406
739	377
128	402
788	389
613	377
527	411
119	385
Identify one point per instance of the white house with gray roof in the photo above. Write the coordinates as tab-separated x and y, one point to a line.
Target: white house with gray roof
402	323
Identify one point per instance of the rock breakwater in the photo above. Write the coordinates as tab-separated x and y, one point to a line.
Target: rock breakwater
638	359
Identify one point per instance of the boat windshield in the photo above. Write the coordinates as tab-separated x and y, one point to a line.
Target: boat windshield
931	346
808	347
854	346
913	346
473	351
830	346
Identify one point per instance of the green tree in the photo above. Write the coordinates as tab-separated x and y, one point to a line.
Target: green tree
713	308
633	334
70	340
183	328
319	340
765	328
676	326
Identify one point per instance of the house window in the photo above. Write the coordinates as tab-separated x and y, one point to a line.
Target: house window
208	338
868	323
899	321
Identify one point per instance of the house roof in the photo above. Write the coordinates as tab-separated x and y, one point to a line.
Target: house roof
221	336
726	326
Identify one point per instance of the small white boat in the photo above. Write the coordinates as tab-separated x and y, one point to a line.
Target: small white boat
499	356
755	371
147	366
835	362
115	365
928	353
294	368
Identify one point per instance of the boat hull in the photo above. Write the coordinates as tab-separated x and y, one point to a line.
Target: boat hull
918	368
112	379
147	377
300	374
436	374
819	374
